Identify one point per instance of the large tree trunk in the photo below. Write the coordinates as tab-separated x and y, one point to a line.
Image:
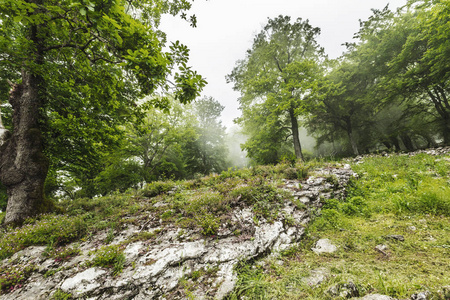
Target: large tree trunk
23	166
297	145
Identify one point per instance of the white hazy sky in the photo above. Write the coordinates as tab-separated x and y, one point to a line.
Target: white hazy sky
226	28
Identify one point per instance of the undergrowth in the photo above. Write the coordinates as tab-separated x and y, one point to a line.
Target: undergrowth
395	196
399	195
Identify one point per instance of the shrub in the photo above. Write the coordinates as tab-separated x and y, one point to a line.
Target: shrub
264	199
297	172
436	202
156	188
60	295
208	223
63	254
13	277
109	257
329	219
58	230
208	201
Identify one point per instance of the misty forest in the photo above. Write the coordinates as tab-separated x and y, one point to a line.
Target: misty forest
102	120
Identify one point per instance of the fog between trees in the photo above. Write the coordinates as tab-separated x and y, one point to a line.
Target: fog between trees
74	118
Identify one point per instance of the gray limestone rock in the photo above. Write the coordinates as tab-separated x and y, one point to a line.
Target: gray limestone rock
153	269
420	296
317	276
324	246
344	291
83	282
376	297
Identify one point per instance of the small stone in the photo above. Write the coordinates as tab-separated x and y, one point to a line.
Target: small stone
304	200
420	296
376	297
381	248
317	277
397	237
412	228
324	246
346	290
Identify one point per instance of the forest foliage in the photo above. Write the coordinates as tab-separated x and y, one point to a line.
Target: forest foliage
116	105
388	91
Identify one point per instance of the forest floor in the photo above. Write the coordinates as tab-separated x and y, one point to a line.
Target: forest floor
391	232
392	235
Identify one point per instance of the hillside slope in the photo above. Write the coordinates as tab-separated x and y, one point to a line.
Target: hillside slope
212	237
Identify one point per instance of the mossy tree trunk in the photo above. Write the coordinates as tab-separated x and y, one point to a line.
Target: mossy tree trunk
23	165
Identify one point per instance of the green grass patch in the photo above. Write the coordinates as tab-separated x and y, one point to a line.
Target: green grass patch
111	257
395	196
47	229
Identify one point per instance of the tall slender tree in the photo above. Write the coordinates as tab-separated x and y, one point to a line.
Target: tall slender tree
279	72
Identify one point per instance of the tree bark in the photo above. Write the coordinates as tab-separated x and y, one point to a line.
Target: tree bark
295	135
23	166
441	103
407	141
349	130
446	129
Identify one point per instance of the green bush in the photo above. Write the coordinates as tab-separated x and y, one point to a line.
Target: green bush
209	224
329	219
297	172
55	229
208	201
13	277
156	188
436	202
109	257
60	295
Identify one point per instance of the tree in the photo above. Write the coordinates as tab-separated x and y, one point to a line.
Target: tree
279	72
407	56
342	103
83	64
421	69
159	134
382	91
208	153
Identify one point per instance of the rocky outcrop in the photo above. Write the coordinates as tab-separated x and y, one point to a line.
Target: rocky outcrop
178	261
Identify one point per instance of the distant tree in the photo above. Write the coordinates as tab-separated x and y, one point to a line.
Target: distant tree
161	133
342	104
278	72
422	68
382	92
75	70
208	153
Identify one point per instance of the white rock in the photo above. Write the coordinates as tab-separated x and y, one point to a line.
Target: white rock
83	282
324	246
376	297
229	280
132	250
316	277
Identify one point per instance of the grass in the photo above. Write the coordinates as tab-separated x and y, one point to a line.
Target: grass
399	195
